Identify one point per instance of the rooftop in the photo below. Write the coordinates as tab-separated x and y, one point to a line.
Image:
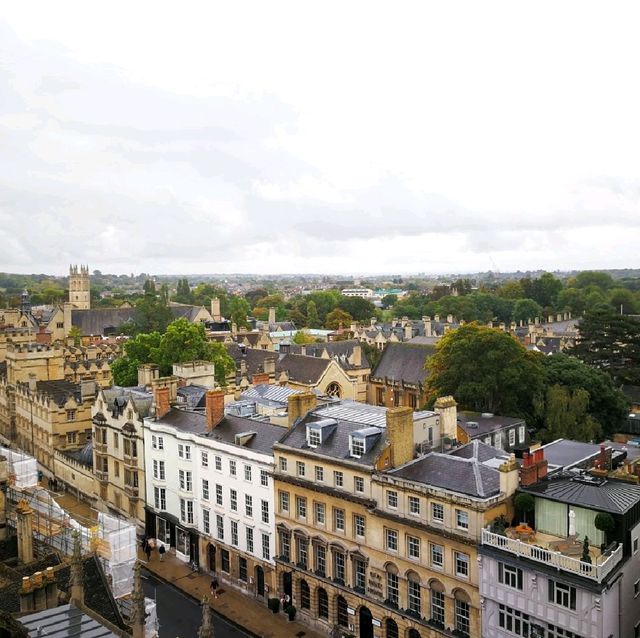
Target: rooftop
403	362
363	413
65	621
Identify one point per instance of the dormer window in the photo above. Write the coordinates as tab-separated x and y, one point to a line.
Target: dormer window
357	447
314	437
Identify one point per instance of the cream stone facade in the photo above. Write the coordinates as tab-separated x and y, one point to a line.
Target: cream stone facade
52	415
118	450
79	287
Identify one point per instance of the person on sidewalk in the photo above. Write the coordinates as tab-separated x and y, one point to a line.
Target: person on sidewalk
161	551
147	551
214	587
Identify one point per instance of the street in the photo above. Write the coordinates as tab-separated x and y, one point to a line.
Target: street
179	615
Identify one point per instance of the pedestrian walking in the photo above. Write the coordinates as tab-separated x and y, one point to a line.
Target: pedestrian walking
214	587
147	551
161	551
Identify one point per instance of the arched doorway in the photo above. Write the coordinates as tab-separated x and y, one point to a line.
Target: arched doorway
366	623
287	585
259	580
211	557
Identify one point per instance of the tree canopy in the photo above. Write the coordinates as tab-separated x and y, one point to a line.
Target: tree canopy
610	342
183	341
486	370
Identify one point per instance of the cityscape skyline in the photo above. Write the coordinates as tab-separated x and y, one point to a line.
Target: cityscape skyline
461	141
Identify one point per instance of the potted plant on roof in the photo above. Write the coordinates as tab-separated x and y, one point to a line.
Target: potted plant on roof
605	523
524	504
446	441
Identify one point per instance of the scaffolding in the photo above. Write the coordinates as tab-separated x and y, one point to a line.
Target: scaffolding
111	538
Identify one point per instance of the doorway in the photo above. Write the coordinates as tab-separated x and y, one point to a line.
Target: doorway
366	623
211	557
287	585
260	581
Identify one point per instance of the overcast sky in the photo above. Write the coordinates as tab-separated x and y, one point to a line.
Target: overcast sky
319	137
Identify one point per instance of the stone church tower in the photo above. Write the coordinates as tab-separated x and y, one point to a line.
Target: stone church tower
79	290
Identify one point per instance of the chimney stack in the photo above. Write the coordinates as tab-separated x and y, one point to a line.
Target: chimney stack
260	378
162	401
24	529
33	382
299	405
509	473
215	310
447	408
214	402
356	356
400	435
272	315
87	390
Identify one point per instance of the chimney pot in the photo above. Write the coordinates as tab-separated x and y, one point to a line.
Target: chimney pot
214	402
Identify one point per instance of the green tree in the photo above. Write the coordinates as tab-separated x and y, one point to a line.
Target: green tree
566	416
239	310
313	320
486	370
303	338
545	290
152	312
183	292
372	353
525	309
360	309
610	342
525	504
143	348
388	300
588	278
623	301
76	334
573	300
337	318
607	404
511	290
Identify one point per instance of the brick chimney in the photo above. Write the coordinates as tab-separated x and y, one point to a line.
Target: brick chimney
214	402
299	405
534	467
261	378
400	435
162	401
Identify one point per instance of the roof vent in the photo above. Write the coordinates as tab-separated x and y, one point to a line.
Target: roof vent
487	415
471	424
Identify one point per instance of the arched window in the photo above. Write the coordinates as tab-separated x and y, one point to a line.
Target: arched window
437	602
462	612
305	595
334	390
414	593
343	614
323	604
392	584
413	633
391	628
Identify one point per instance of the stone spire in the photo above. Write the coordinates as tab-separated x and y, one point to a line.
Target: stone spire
206	628
137	600
76	580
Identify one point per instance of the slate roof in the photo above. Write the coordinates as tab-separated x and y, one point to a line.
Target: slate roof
196	422
302	368
194	395
403	362
65	621
565	453
363	413
59	391
486	424
97	321
340	351
615	497
463	473
84	455
632	392
272	395
336	444
117	398
480	451
97	595
254	358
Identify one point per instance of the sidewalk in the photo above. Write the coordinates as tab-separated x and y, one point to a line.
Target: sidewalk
250	614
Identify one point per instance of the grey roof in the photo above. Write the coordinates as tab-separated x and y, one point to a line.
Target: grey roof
196	422
486	424
254	358
566	453
83	455
302	368
615	497
632	392
340	351
65	621
336	444
481	451
194	395
403	362
117	398
423	340
184	311
272	395
59	391
362	413
456	473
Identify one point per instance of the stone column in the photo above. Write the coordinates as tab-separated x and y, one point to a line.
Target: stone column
24	525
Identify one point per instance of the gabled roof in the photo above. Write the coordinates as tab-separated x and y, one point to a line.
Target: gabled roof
403	362
302	368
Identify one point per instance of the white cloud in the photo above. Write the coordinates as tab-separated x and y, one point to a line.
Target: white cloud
330	138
